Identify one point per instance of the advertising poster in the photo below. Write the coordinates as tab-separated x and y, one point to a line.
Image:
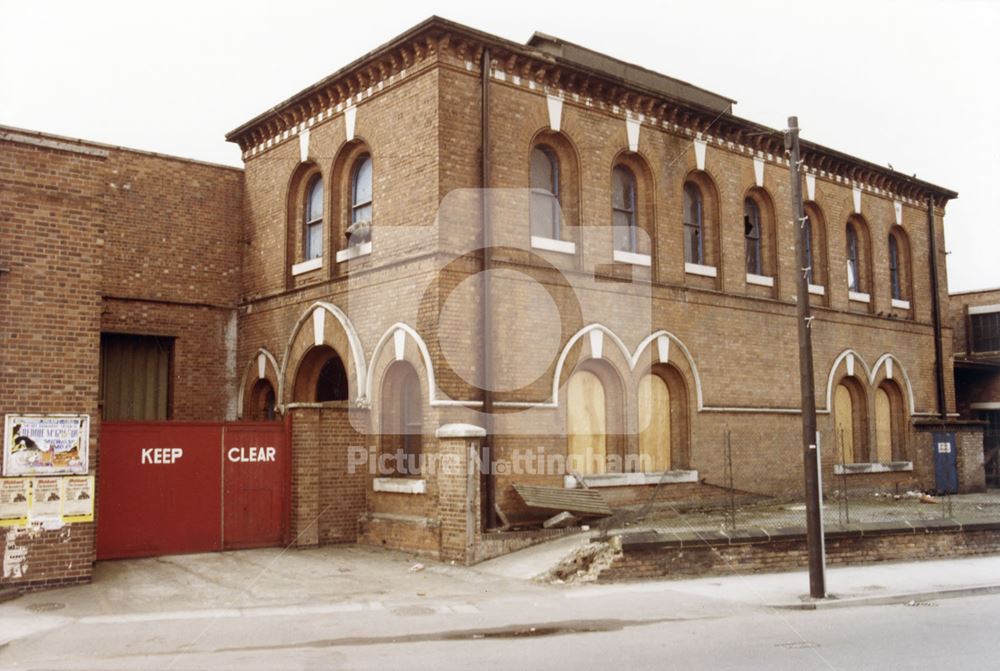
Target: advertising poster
46	445
78	499
46	497
15	495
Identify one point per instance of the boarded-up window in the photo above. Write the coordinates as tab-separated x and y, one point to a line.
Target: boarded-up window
844	413
586	420
654	423
135	376
883	427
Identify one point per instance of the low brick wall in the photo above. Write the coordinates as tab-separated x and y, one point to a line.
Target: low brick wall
655	555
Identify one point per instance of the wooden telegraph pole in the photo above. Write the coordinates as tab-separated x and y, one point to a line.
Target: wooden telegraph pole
810	437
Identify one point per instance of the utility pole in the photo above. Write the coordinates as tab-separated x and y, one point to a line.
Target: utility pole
810	437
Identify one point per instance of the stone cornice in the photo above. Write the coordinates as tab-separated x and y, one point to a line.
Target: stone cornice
439	39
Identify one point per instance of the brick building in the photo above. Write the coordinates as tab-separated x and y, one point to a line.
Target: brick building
637	316
976	319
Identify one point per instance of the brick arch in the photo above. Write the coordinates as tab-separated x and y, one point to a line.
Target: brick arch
881	372
338	333
261	362
400	342
840	369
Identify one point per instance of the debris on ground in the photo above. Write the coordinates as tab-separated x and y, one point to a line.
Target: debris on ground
585	565
560	521
416	567
927	498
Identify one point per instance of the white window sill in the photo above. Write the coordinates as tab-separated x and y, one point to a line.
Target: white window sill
551	245
699	269
901	305
891	467
632	258
631	479
307	266
400	485
354	251
760	280
859	297
817	289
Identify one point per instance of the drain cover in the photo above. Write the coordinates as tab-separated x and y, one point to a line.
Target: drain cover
46	607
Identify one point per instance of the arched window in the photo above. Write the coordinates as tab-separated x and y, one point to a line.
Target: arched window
314	218
807	247
899	265
623	209
544	193
402	420
331	385
853	259
586	424
752	237
694	250
361	201
897	284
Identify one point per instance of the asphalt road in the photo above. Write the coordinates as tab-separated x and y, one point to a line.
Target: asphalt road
534	627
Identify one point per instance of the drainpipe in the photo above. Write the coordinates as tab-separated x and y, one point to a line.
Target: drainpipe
488	480
936	310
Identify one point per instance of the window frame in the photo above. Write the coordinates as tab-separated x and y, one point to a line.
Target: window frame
631	201
313	221
551	195
749	239
698	227
853	254
358	229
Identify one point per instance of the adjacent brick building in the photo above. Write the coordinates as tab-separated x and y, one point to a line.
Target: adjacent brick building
637	316
976	319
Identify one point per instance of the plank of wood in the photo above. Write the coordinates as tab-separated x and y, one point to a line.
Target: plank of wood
587	501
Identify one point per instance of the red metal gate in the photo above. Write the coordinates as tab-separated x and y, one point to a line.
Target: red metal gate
178	487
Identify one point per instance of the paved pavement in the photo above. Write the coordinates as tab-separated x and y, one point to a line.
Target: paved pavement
346	606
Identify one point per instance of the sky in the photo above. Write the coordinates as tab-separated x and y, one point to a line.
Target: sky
912	83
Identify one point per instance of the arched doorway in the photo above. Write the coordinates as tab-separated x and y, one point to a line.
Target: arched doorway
263	402
321	377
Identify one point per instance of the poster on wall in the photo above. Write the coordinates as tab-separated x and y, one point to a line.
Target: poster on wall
46	445
14	500
46	497
78	499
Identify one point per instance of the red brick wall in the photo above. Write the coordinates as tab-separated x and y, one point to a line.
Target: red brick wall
51	223
103	238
